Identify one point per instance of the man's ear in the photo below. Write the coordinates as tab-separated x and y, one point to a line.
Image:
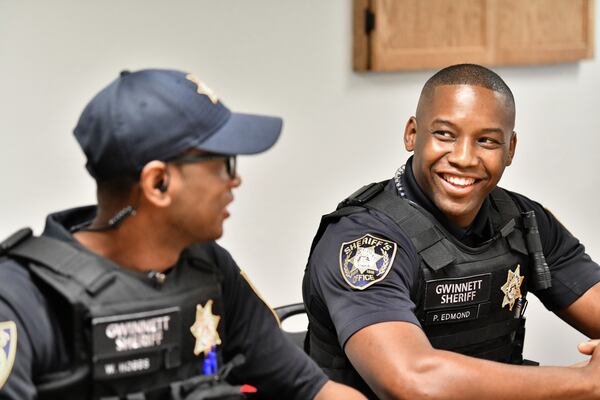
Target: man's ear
410	134
154	183
511	148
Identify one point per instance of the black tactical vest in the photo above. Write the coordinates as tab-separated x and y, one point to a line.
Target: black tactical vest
469	299
129	335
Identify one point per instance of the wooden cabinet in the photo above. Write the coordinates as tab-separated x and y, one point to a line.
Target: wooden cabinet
419	34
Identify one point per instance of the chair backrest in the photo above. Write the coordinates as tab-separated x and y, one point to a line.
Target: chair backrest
284	312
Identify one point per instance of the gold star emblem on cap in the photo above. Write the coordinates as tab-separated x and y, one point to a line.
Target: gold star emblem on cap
202	88
512	287
205	329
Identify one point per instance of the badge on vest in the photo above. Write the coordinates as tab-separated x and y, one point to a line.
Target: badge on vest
205	329
366	260
512	288
8	348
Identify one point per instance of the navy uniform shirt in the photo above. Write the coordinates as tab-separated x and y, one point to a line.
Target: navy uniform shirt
274	365
392	297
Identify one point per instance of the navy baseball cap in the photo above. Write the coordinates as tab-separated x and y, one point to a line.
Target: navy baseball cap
157	114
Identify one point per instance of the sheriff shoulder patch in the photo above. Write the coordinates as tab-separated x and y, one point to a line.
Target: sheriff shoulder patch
366	260
8	348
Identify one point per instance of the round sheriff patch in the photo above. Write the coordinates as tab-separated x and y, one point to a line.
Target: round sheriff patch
8	348
366	260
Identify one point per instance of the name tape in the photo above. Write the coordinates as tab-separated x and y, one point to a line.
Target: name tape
118	335
454	292
453	315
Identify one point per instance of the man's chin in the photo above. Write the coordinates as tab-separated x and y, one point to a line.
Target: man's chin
217	235
458	213
210	236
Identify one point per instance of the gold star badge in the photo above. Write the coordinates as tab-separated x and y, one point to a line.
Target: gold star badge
205	329
512	288
202	88
365	259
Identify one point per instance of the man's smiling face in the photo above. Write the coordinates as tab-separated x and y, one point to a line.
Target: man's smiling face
462	138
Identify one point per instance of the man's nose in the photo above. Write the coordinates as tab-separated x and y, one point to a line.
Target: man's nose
235	182
463	154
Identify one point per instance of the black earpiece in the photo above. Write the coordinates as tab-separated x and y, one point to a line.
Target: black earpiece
163	185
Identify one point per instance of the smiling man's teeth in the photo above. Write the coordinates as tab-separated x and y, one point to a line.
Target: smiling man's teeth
455	180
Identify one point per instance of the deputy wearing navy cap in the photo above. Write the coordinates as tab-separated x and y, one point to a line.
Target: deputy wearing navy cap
132	298
416	287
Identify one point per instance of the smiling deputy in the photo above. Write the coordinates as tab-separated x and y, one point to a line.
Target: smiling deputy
416	287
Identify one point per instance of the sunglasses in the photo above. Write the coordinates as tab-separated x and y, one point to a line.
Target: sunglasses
230	161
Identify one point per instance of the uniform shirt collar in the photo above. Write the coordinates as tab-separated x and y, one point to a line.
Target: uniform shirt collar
60	224
479	231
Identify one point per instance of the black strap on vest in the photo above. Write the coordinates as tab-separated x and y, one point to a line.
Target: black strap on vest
68	262
14	239
491	331
353	203
508	210
425	235
64	260
426	238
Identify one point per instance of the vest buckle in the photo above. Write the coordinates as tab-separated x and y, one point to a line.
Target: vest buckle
14	240
363	195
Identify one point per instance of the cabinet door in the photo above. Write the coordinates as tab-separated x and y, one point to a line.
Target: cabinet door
543	31
417	34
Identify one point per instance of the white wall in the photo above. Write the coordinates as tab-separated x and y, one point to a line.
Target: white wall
288	58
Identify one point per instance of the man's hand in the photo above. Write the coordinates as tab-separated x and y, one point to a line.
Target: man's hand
593	367
588	347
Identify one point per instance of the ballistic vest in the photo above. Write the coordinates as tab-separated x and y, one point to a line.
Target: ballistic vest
129	335
468	300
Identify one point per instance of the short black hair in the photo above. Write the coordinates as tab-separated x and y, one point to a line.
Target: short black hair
469	74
